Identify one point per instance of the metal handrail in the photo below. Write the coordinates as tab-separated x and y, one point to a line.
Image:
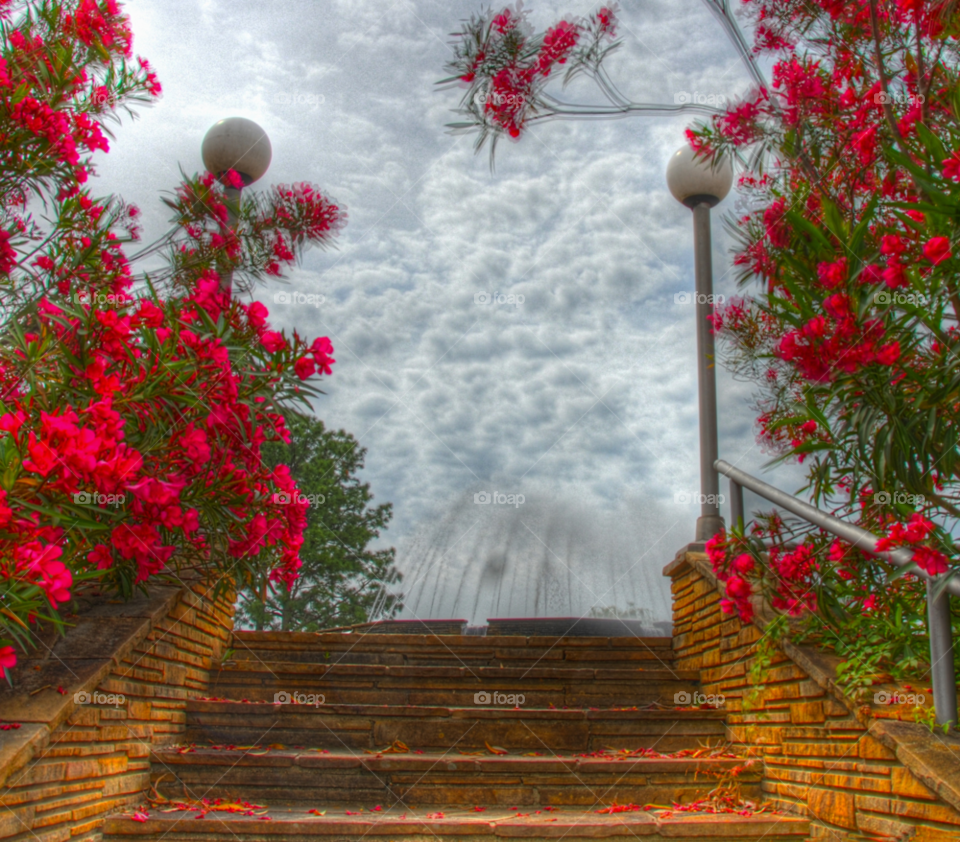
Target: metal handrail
851	533
938	596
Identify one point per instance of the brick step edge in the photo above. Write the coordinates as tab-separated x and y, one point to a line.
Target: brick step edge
245	668
700	826
305	640
263	707
284	758
444	656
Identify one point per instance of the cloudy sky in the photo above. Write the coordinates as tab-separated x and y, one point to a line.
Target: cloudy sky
581	398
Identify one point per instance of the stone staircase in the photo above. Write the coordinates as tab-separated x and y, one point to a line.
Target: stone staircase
415	737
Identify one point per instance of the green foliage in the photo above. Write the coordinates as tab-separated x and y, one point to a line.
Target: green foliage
342	582
877	646
928	716
857	674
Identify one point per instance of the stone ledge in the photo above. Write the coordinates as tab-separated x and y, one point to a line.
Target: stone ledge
933	759
18	747
62	666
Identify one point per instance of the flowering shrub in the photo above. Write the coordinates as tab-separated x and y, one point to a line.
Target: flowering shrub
853	335
133	407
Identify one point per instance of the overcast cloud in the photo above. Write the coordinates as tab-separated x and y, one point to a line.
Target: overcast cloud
584	395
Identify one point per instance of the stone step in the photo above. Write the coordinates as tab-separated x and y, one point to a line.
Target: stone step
578	673
443	657
425	825
443	650
577	627
412	627
374	727
291	777
453	686
281	639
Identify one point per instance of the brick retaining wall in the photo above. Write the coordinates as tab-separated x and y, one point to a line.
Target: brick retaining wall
70	764
821	761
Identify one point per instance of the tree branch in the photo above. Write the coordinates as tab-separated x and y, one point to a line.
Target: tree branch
721	12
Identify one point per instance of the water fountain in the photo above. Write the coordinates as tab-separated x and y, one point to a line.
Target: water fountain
544	566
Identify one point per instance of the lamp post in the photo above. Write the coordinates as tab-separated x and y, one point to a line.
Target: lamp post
700	184
236	144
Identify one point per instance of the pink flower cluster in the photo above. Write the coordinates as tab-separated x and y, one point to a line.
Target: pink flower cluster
318	360
790	574
916	535
44	119
513	75
300	213
103	24
837	341
558	43
737	588
793	579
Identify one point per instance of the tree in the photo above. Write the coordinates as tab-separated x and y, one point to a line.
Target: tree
342	582
133	407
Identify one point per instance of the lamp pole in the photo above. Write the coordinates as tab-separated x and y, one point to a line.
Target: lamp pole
700	186
238	144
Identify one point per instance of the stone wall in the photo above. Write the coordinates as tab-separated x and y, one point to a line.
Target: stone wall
843	766
74	757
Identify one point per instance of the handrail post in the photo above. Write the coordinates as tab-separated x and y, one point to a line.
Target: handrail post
942	675
737	516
